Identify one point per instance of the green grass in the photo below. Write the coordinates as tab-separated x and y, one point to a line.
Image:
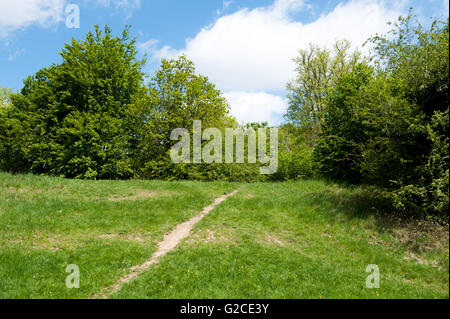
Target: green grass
306	239
297	240
48	223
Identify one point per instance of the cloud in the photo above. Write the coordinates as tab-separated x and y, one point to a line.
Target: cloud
148	46
16	15
225	5
19	14
17	53
252	50
256	106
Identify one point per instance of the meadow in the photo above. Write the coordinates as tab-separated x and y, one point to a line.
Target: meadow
300	239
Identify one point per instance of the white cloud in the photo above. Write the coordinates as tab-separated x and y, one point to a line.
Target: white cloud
16	15
147	46
256	106
19	14
252	50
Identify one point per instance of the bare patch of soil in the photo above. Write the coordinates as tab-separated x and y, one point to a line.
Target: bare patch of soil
22	190
132	237
140	194
271	239
210	235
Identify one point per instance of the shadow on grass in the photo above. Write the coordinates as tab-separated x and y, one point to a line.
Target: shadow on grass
367	202
419	236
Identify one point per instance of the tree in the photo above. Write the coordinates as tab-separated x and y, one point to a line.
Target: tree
317	70
175	97
416	61
338	151
77	110
17	131
388	126
5	97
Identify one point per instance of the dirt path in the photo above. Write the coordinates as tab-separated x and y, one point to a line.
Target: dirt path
169	242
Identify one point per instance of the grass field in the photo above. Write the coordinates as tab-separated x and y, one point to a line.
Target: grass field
305	239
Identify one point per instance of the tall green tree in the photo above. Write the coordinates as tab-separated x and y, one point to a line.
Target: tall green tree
416	61
17	130
77	109
338	151
388	125
175	96
318	70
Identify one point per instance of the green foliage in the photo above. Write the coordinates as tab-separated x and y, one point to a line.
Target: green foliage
294	162
388	126
317	72
383	124
92	117
5	98
428	193
295	159
18	131
175	97
416	60
70	119
337	153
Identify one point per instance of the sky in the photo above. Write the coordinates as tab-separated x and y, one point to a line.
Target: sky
245	47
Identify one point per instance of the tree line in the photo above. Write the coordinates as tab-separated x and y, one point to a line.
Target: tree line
381	120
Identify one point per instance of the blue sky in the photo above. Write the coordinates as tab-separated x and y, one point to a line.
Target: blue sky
244	46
